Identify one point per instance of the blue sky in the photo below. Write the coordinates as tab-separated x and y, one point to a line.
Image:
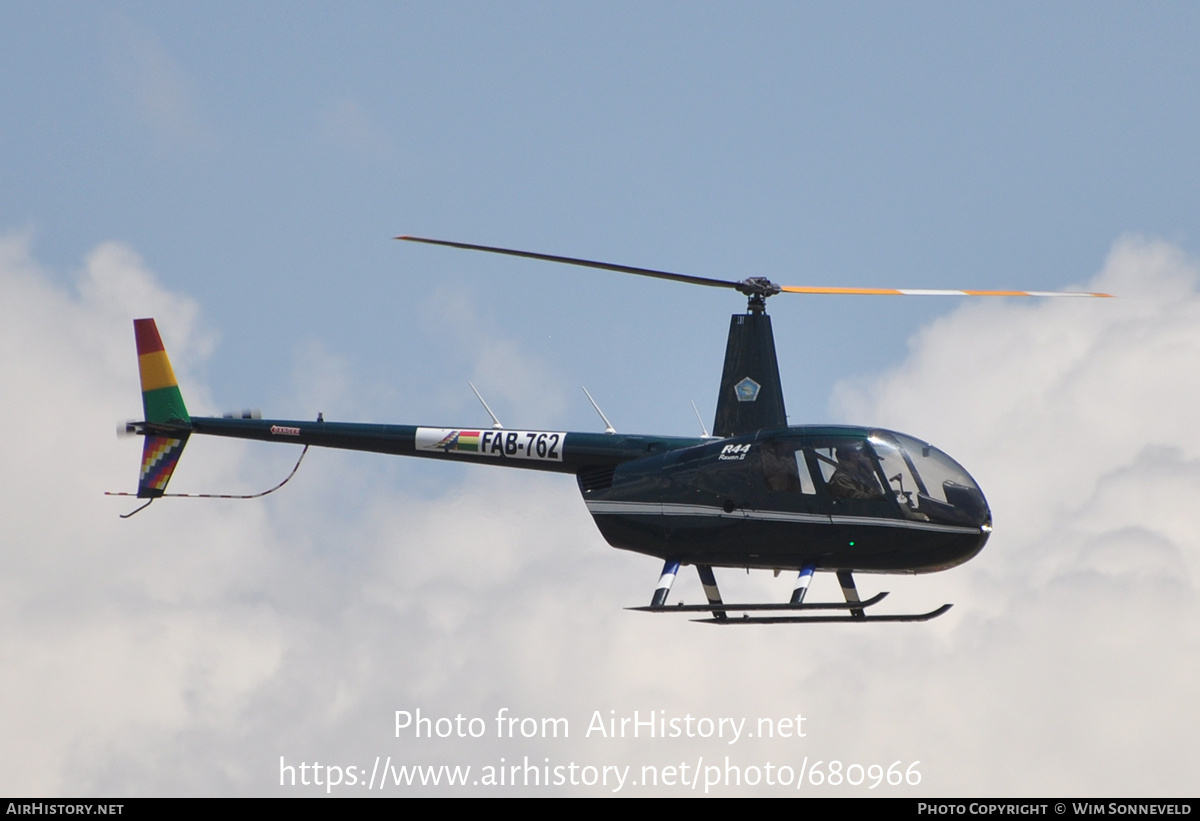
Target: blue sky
261	160
239	172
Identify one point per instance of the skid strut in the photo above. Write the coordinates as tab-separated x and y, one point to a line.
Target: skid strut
846	580
669	572
710	590
802	582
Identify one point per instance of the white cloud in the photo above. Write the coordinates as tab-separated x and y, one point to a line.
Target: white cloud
1075	417
113	634
185	650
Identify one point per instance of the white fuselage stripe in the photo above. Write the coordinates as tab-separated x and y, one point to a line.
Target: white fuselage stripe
602	508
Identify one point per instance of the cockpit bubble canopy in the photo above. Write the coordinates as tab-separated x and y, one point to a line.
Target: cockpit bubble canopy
926	480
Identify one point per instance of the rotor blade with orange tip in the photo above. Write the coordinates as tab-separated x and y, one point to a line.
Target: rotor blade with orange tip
753	285
801	289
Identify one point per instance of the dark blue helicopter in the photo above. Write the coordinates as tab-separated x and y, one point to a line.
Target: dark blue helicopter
757	493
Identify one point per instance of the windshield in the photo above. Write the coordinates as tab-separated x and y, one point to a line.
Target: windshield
926	480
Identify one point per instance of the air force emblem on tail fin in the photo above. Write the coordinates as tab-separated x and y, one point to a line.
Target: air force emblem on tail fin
747	390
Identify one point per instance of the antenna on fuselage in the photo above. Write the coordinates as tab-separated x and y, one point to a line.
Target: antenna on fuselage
703	430
608	428
495	421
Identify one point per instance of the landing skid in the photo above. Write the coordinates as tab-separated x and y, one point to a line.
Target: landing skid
746	609
932	614
720	610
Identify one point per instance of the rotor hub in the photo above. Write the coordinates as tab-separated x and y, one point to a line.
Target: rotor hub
758	289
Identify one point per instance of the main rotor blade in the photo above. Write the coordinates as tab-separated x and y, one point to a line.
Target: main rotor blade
800	289
585	263
762	287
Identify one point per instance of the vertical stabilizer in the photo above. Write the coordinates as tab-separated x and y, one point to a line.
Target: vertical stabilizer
161	399
163	404
160	454
751	395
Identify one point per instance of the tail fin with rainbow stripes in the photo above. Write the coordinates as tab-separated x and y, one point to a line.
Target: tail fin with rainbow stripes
163	405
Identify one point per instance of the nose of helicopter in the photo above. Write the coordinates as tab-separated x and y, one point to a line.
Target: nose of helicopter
933	484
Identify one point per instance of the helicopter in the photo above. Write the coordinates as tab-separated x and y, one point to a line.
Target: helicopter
756	493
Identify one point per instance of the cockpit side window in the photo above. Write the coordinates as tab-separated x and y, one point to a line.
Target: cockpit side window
848	469
785	469
826	462
807	486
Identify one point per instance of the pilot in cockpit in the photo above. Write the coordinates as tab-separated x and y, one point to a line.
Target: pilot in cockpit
855	475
